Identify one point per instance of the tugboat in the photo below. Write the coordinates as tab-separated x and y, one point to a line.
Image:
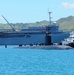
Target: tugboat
70	40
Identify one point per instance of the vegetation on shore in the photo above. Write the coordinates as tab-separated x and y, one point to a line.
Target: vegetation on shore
66	24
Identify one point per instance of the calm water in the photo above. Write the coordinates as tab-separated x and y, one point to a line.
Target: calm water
15	61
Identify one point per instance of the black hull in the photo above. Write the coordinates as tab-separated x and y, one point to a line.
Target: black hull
71	45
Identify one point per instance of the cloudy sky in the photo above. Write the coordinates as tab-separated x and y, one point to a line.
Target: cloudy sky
24	11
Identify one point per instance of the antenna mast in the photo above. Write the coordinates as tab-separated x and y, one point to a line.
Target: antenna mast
49	17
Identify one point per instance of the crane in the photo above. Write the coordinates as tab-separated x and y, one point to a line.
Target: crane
9	23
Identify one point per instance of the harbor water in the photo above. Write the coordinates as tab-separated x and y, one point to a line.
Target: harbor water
20	61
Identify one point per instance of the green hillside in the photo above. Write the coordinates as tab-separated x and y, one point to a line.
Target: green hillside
66	24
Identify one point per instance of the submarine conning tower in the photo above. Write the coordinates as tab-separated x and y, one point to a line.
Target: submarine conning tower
48	36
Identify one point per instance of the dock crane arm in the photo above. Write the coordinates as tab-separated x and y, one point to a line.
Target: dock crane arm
8	23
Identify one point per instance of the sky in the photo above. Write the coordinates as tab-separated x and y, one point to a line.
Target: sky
30	11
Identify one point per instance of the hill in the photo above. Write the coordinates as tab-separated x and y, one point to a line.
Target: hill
66	24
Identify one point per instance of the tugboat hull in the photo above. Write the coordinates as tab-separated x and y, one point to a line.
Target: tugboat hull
71	45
